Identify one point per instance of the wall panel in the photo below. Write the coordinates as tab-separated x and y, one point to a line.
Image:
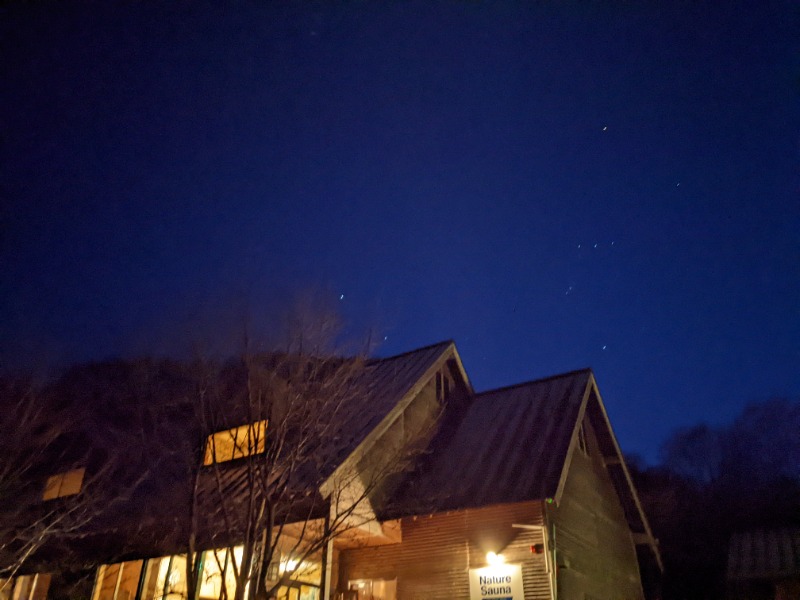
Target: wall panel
593	541
433	560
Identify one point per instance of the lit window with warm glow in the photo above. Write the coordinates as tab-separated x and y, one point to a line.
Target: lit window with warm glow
63	484
218	576
25	587
118	581
238	442
379	589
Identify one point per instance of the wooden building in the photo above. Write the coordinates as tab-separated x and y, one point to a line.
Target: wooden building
515	493
764	564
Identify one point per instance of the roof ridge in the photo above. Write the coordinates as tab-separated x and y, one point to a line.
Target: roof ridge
407	352
534	381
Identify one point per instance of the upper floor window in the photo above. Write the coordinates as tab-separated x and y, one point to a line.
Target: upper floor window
238	442
442	387
63	484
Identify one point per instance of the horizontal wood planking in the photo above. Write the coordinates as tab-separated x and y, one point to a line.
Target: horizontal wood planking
437	551
592	534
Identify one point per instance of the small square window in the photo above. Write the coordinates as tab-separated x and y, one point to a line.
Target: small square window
64	484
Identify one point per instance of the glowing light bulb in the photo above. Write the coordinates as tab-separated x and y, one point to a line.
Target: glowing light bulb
495	559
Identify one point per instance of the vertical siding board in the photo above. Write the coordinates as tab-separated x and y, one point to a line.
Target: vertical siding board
593	534
433	560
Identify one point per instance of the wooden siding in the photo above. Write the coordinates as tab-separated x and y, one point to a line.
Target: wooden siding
433	560
594	546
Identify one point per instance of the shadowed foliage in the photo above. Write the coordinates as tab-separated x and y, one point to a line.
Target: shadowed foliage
717	481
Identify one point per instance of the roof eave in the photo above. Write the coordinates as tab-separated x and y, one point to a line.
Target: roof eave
628	489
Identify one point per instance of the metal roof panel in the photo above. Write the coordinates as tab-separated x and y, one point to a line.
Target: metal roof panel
510	446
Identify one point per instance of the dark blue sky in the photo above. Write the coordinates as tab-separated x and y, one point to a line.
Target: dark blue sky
551	185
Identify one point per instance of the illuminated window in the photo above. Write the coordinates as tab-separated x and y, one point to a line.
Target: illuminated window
164	578
305	577
298	592
118	582
377	589
238	442
63	484
27	587
218	572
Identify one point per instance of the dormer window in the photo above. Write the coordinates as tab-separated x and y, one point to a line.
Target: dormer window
238	442
582	439
442	387
68	483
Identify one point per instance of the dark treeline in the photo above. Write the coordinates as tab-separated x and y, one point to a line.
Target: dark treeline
713	482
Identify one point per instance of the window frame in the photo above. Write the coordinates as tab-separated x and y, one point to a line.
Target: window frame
63	485
224	446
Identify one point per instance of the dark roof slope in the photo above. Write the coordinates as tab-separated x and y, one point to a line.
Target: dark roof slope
381	385
108	392
510	446
386	382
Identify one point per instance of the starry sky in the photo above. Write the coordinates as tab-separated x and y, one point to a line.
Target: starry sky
553	185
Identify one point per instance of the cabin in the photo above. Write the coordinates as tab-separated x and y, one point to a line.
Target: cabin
419	489
764	564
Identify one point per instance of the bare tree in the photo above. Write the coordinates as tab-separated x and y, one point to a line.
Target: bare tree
72	461
695	452
41	475
25	434
240	470
269	490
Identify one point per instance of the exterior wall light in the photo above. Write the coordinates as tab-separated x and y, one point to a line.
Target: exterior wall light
495	559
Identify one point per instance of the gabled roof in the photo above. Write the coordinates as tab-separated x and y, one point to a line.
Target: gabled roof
764	554
506	445
515	444
387	381
510	446
390	384
382	384
381	387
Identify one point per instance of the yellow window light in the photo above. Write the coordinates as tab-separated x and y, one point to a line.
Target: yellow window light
68	483
238	442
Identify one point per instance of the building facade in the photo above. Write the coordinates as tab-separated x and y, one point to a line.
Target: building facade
518	493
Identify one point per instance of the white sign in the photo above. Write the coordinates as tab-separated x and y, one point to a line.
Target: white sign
501	582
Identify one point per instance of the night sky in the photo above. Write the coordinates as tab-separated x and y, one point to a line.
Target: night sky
552	185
